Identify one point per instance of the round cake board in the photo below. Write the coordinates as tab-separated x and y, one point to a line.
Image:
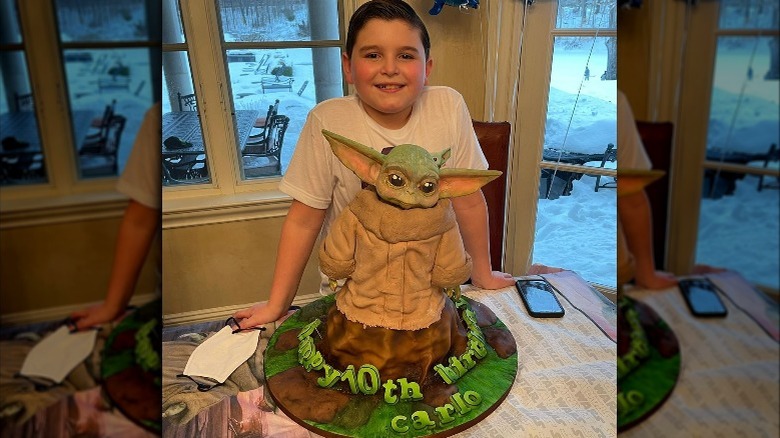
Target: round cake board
359	415
135	392
642	392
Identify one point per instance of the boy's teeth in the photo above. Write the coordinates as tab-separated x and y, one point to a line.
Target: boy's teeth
389	87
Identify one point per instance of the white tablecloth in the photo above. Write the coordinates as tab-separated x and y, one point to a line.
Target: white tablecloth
565	385
728	383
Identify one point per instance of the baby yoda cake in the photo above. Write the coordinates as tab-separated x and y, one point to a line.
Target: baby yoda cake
396	351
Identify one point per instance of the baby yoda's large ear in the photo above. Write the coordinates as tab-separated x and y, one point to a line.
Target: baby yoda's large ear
364	161
462	182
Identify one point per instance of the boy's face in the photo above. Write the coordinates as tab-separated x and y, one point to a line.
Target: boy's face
388	68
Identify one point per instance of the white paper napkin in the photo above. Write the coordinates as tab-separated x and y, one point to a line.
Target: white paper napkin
58	353
221	354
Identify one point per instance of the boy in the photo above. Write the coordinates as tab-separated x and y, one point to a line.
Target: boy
635	246
387	60
140	224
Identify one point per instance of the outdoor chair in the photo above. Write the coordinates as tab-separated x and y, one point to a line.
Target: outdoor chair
771	155
22	166
188	101
494	139
105	146
101	123
263	122
185	168
24	102
270	146
610	154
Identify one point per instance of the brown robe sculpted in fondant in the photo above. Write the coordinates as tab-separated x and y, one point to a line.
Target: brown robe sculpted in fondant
398	245
392	313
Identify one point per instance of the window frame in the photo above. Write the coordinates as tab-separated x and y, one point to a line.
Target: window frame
530	66
228	197
65	197
692	122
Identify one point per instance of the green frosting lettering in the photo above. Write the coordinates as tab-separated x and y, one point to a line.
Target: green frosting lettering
305	349
421	420
467	360
331	377
446	373
445	413
477	348
349	376
460	406
410	390
309	329
394	423
390	398
470	318
368	379
314	361
457	366
472	398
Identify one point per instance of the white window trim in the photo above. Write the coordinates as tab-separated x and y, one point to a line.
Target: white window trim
64	194
227	198
517	90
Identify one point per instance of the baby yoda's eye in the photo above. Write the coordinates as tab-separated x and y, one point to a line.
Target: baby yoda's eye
395	180
428	187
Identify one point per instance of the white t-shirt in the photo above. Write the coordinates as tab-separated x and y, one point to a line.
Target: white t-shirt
631	150
141	178
315	177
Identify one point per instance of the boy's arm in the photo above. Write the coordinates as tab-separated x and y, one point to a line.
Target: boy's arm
635	217
299	232
136	233
471	212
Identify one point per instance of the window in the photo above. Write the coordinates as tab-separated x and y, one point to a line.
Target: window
274	61
22	156
570	145
739	211
107	51
77	80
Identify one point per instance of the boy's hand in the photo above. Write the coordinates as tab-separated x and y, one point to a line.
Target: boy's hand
257	315
655	280
492	280
95	315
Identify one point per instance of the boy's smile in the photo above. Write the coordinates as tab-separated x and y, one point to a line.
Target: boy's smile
388	68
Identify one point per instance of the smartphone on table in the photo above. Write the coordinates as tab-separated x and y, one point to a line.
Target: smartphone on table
702	298
539	298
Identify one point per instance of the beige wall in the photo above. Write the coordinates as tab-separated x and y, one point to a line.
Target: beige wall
60	265
226	264
634	26
219	265
458	53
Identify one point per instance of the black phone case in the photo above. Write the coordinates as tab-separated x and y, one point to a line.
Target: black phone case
696	308
536	308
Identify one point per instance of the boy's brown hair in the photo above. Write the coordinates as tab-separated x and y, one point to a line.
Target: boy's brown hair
386	10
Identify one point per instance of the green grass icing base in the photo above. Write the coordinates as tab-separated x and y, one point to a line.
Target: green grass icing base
365	416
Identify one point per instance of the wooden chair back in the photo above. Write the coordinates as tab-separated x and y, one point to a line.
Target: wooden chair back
494	139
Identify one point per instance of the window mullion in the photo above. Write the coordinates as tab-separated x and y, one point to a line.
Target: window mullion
529	123
209	79
50	96
691	138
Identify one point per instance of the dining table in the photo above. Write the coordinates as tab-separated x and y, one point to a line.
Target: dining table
565	383
729	366
186	126
23	126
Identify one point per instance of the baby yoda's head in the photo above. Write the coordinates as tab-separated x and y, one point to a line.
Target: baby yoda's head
409	176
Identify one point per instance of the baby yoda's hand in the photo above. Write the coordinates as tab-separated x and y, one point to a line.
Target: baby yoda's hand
453	292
